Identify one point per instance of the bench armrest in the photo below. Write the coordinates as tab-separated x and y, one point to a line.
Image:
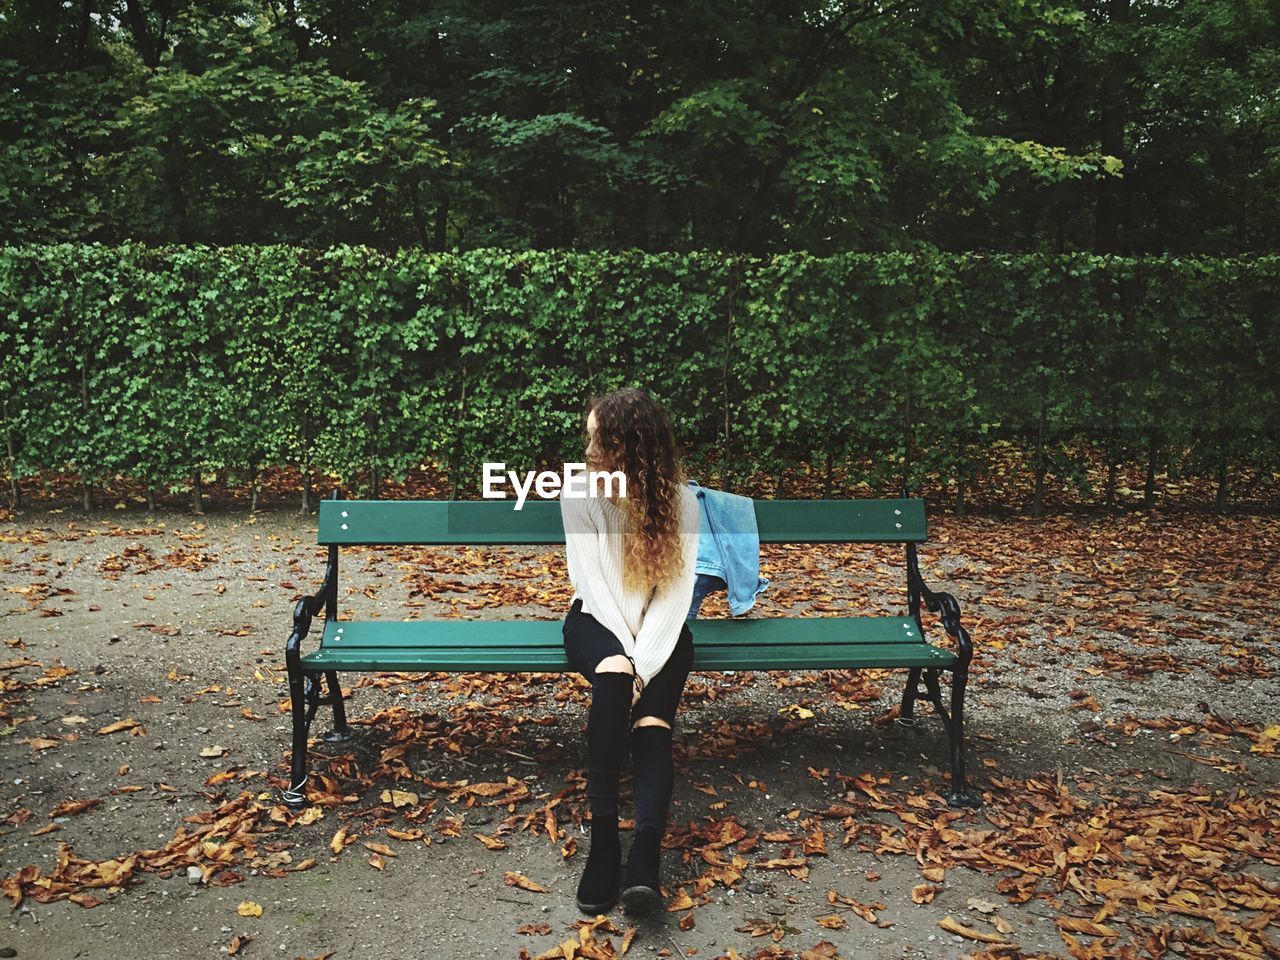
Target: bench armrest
945	605
308	607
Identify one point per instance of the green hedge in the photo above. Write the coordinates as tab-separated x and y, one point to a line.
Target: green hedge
158	363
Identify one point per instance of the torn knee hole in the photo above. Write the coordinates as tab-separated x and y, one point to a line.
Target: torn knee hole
651	722
615	664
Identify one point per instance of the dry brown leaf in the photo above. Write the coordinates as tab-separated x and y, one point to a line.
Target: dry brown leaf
951	925
514	878
71	807
924	893
1087	927
682	901
399	798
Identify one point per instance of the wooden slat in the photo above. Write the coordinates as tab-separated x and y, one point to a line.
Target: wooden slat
428	522
719	644
550	659
497	634
841	521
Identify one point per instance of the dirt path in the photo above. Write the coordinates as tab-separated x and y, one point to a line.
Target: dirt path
1122	714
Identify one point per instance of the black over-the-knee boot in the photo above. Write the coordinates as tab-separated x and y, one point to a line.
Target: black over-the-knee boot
653	779
606	744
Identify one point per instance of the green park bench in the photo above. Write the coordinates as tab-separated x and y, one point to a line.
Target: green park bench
516	646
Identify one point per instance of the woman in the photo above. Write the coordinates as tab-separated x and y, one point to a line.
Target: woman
631	561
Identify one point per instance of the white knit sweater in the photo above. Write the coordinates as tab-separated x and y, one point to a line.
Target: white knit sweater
593	528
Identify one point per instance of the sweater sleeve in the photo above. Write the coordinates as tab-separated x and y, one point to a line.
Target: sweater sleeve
669	608
586	563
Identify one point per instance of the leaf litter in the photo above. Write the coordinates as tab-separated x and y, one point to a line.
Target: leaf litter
1131	862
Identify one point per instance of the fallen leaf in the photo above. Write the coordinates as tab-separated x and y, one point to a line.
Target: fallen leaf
949	924
399	798
514	878
795	710
1087	927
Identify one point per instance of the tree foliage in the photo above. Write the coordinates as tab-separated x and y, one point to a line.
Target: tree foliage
1049	125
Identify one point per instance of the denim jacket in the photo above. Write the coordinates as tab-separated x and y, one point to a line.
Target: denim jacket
728	548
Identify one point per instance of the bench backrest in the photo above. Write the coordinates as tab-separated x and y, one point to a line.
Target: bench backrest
467	522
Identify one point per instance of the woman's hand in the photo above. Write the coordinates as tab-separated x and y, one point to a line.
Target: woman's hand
636	684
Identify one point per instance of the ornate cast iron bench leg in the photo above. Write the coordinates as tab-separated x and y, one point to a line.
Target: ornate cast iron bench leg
960	794
304	692
304	685
340	732
907	712
295	798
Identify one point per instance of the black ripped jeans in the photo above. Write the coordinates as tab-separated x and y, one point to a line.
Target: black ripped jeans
587	642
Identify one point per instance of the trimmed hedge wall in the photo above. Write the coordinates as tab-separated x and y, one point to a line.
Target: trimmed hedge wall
161	362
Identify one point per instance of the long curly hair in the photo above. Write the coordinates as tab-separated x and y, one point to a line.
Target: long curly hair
634	436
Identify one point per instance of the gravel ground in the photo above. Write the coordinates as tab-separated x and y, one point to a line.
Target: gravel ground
176	621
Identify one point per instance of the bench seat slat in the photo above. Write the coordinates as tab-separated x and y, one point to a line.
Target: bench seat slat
719	644
480	634
830	656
